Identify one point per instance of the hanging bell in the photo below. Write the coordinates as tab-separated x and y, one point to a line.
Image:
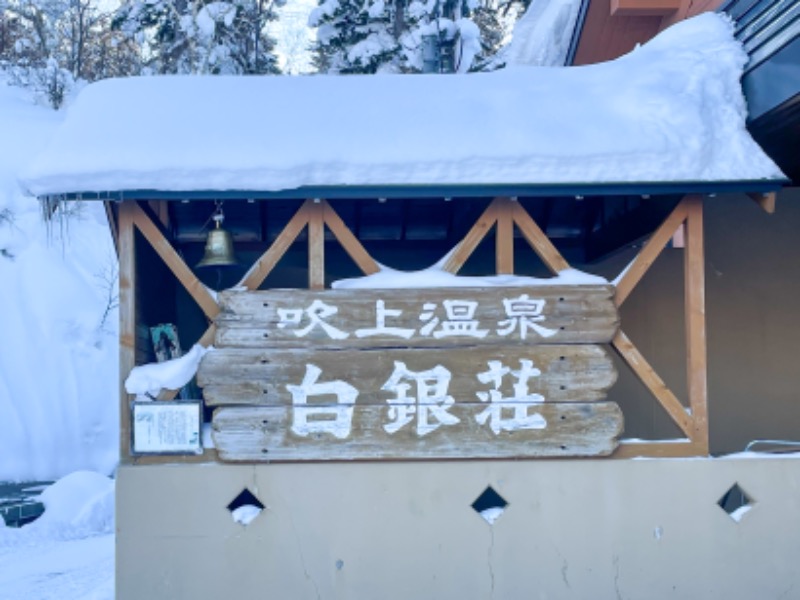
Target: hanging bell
219	248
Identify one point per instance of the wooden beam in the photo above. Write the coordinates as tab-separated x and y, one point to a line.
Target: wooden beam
256	275
539	241
695	310
655	449
316	247
766	201
644	8
652	249
474	236
127	318
113	225
175	263
648	376
348	241
504	237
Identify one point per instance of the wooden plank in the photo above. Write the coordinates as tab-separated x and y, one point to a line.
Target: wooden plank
257	273
474	236
576	373
537	239
658	449
766	201
348	241
650	252
175	263
127	318
316	247
271	434
504	238
648	376
113	226
433	317
643	8
694	290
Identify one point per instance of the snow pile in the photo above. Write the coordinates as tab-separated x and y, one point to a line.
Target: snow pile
68	553
672	110
78	505
542	35
58	362
435	276
147	381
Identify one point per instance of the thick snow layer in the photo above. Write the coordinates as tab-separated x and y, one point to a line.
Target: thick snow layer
58	360
147	381
672	110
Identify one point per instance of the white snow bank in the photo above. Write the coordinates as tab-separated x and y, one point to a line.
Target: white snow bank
146	381
435	276
672	110
78	505
542	35
58	360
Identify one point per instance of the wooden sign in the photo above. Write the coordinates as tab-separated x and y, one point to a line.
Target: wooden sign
545	430
419	318
247	376
413	374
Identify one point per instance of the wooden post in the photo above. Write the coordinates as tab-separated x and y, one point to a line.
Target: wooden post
504	240
256	274
651	251
127	318
348	241
539	241
467	246
316	247
695	311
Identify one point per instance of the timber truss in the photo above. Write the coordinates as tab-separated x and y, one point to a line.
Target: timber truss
504	214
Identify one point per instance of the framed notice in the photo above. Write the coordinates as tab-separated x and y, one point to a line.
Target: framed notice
167	427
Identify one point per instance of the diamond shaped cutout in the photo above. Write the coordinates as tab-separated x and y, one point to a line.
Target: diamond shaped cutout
736	502
489	505
245	507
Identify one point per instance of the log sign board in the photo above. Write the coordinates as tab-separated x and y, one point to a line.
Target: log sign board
413	374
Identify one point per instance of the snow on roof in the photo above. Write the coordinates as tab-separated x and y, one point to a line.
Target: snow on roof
669	111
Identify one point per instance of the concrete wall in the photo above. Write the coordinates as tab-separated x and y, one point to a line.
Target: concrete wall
599	529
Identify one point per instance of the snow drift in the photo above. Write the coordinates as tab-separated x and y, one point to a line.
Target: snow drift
58	360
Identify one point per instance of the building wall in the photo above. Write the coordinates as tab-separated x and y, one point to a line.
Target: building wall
752	291
572	529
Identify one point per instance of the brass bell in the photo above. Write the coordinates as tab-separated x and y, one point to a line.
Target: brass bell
219	245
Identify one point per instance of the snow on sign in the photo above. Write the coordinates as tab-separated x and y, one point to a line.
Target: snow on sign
438	373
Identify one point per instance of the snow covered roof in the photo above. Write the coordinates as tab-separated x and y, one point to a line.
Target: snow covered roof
670	111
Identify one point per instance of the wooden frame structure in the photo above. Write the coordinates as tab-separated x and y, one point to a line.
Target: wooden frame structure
504	214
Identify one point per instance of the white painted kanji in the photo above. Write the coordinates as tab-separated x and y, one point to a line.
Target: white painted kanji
335	420
510	413
317	312
524	313
460	321
429	405
381	312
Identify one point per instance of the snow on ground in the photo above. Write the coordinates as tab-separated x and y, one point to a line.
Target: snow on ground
58	357
671	110
68	553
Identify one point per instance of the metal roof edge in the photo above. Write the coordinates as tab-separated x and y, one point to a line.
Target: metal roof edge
437	191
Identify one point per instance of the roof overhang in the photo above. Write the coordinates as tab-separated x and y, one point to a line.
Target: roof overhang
572	190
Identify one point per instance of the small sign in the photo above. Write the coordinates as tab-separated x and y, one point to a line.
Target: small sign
167	427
